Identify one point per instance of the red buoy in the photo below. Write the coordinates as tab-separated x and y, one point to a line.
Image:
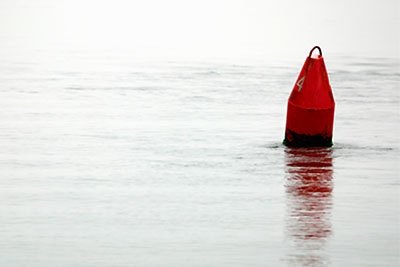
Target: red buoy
311	106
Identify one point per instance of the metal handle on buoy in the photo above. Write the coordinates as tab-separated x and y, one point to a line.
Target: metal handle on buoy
319	50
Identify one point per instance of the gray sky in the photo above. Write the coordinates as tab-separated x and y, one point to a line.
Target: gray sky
206	28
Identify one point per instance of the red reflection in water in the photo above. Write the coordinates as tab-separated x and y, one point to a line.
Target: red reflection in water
309	199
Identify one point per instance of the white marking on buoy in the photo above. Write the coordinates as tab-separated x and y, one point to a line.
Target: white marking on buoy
300	83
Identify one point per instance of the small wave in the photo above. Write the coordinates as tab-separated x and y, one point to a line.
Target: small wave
340	146
336	146
208	73
75	88
116	88
200	98
274	145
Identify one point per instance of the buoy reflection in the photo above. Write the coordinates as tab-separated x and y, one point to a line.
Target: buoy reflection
309	188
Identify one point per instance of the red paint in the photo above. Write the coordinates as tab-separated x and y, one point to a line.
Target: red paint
311	106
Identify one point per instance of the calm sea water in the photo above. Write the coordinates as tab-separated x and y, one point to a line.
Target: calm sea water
107	160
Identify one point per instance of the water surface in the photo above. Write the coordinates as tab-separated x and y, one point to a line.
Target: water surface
107	160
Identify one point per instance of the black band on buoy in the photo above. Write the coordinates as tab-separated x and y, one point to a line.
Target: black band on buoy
319	50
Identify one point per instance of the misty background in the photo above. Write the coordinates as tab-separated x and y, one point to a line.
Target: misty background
243	29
